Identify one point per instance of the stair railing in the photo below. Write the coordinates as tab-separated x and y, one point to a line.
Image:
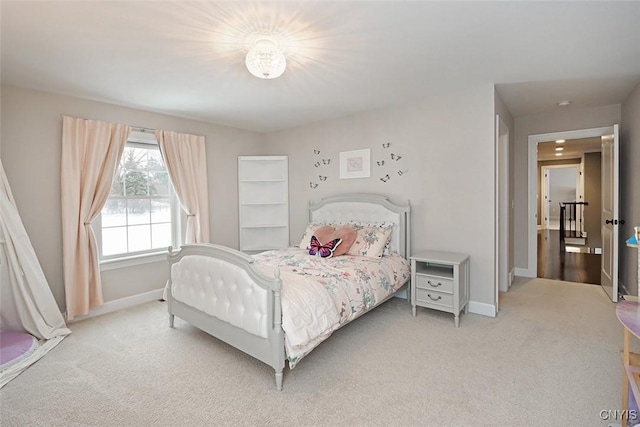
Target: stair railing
568	221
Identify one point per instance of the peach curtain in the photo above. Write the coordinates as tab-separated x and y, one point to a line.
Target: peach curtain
91	151
186	161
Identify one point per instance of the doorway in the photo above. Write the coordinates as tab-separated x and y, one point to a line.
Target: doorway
559	183
563	251
538	246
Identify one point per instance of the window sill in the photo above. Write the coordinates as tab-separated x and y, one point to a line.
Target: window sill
132	261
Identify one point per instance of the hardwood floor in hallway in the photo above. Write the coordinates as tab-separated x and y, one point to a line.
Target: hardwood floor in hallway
569	266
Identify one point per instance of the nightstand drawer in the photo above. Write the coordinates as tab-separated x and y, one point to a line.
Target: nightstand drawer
434	297
434	283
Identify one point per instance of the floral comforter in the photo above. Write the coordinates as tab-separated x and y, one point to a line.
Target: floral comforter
319	295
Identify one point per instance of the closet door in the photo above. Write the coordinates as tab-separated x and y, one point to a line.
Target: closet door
263	196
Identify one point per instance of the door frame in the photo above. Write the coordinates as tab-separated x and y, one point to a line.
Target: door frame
533	140
502	273
546	185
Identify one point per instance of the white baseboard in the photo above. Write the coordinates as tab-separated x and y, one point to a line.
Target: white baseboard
119	304
482	308
524	272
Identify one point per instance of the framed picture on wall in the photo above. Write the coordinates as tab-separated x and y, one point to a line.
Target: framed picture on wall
355	164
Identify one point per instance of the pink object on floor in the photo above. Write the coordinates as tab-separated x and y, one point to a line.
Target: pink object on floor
14	345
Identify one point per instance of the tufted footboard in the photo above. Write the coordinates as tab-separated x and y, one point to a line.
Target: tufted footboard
218	290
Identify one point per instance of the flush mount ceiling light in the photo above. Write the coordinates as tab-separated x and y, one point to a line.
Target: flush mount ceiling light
559	148
563	103
265	60
559	141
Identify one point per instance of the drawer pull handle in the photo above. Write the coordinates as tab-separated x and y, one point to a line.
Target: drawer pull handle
432	285
434	299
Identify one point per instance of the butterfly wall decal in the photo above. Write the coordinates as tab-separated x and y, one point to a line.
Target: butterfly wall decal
380	162
316	164
326	161
316	151
386	145
385	178
313	184
402	172
323	251
395	157
322	178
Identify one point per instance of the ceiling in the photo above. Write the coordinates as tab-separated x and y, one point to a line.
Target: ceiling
569	149
187	58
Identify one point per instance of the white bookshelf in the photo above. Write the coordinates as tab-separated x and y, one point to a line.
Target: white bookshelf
263	196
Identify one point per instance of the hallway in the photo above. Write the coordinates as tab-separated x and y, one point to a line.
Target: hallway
569	266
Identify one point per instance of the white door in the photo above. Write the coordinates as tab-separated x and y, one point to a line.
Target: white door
547	200
610	212
560	184
580	196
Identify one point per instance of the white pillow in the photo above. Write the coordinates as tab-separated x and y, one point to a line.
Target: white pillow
371	241
309	231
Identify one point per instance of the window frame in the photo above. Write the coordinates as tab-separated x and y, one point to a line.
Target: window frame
145	140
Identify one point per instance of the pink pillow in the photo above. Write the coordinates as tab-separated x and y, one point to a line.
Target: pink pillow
327	233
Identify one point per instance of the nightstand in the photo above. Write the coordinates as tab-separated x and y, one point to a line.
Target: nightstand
440	281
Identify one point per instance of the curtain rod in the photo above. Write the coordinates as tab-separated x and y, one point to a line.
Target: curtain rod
142	129
131	127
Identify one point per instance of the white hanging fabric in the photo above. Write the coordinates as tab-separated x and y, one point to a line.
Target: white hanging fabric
26	302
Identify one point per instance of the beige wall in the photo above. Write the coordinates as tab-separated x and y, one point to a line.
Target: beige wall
593	196
567	119
447	149
426	135
630	187
31	133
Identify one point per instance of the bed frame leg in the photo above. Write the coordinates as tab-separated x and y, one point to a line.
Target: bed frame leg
279	380
171	317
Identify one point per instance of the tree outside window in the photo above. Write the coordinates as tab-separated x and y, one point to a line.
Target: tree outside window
138	215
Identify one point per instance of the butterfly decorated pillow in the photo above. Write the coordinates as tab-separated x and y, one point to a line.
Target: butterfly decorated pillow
324	250
329	232
346	233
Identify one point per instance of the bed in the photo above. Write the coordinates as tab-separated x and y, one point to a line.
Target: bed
275	306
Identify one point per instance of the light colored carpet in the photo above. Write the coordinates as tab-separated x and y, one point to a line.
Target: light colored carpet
550	358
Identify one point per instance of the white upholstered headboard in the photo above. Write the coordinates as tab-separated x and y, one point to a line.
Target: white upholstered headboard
365	207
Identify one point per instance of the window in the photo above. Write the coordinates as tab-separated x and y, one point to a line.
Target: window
140	215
